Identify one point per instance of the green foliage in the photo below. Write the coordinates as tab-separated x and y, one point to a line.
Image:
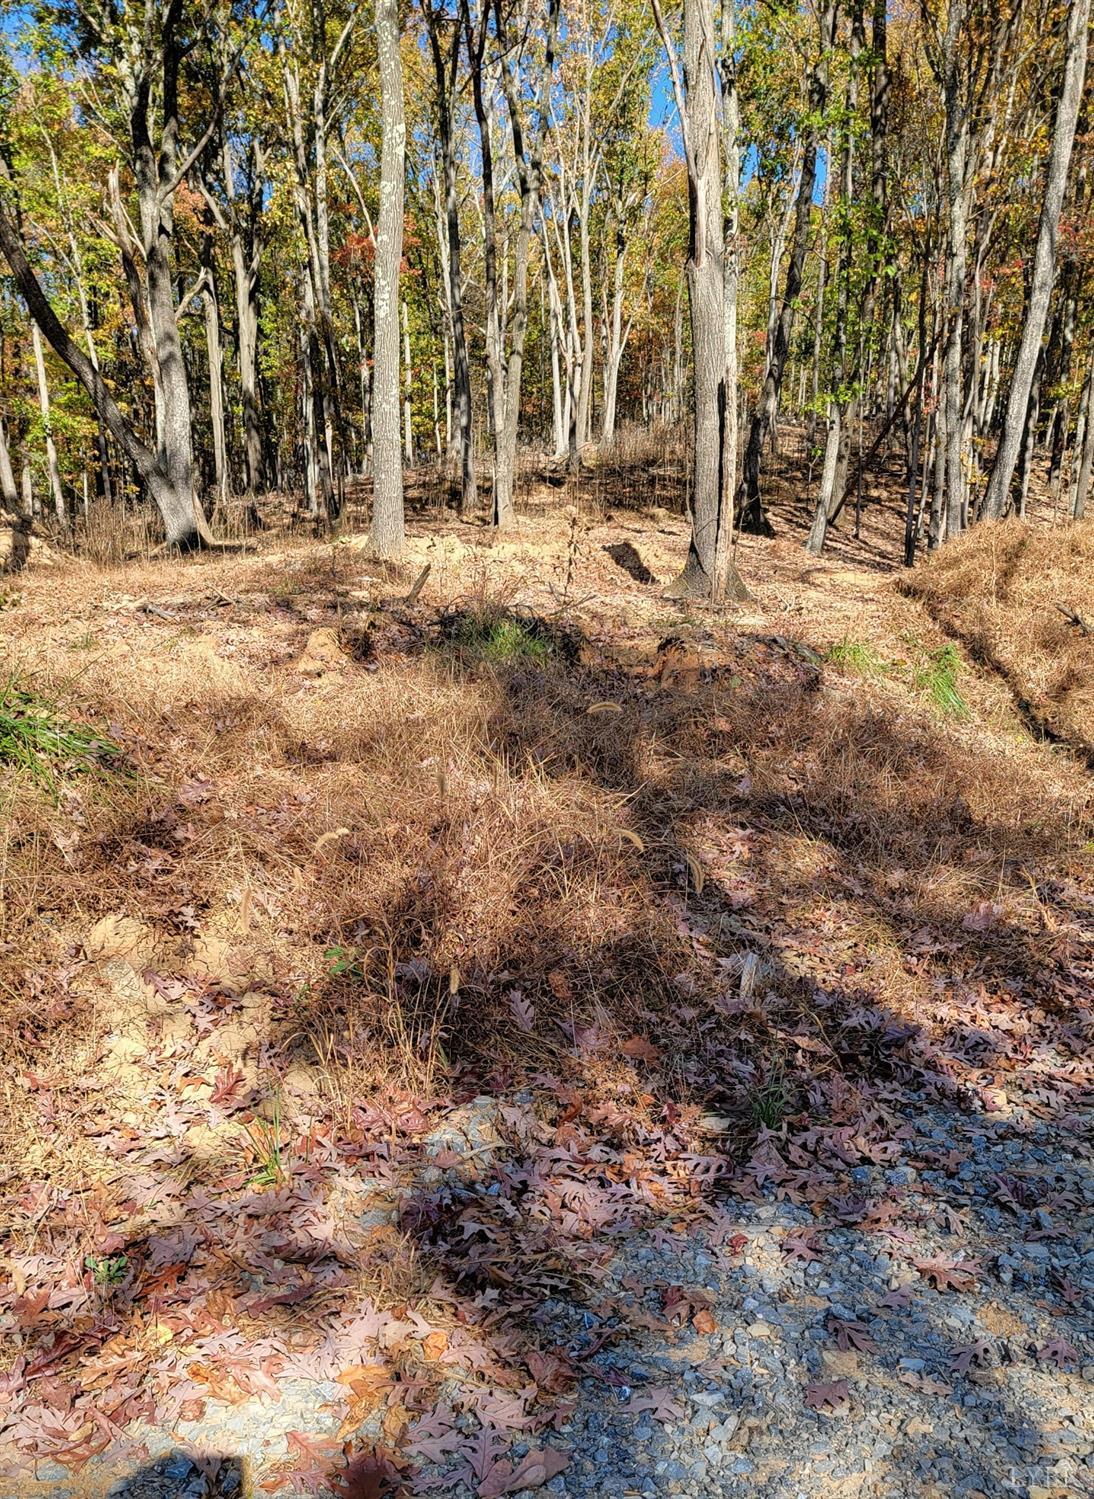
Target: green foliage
770	1101
343	962
35	737
264	1136
852	655
500	638
937	677
107	1269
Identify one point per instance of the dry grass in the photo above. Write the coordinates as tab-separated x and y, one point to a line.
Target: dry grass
1000	591
394	846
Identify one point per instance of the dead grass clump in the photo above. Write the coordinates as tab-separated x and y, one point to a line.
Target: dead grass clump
108	533
1008	594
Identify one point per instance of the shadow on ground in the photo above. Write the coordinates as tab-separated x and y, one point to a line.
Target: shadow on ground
727	1174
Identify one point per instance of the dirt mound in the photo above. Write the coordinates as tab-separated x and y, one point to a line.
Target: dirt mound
1020	599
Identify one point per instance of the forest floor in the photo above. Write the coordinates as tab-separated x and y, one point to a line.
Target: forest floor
543	1038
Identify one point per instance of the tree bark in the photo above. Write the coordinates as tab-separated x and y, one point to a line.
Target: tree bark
1086	457
445	71
9	494
752	514
708	571
528	159
182	522
52	468
388	524
1044	261
215	353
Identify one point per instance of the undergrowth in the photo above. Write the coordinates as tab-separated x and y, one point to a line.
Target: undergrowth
500	637
937	677
852	655
35	737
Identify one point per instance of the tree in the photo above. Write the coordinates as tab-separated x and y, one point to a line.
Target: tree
752	517
444	44
708	571
387	503
1044	261
182	520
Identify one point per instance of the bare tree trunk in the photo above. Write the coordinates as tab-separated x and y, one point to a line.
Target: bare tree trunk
215	352
726	582
445	71
1086	456
246	261
9	495
752	514
154	173
1044	262
80	280
52	468
388	524
408	410
529	172
616	338
839	409
182	521
708	571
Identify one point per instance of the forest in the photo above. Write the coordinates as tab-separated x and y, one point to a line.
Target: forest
285	248
546	731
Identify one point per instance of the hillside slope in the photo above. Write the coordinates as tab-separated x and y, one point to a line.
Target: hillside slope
540	1035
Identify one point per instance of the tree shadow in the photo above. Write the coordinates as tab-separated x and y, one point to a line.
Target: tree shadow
793	1034
178	1475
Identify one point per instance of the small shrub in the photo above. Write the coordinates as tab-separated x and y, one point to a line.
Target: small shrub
264	1138
500	641
107	1270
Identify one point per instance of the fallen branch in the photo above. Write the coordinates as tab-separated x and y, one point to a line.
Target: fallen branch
1075	618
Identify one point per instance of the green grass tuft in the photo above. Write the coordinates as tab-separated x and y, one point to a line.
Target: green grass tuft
770	1101
852	655
36	738
937	677
500	639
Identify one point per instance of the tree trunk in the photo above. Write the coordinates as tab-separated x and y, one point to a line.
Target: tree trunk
181	520
1086	457
445	73
52	468
615	338
246	255
388	524
408	410
708	571
838	438
753	518
9	495
529	171
1044	262
215	353
154	173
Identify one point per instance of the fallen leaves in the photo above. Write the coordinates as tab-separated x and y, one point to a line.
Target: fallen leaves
965	1355
949	1275
829	1397
530	1472
661	1403
850	1334
1057	1350
220	1384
